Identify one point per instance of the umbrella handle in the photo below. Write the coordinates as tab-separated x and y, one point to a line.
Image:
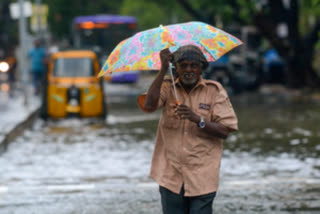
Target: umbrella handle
174	86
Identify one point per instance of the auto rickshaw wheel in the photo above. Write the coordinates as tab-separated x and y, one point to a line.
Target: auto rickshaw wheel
104	112
104	103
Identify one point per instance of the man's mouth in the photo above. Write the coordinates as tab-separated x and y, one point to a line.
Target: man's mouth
188	75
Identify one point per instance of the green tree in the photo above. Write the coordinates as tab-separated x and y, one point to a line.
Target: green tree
153	13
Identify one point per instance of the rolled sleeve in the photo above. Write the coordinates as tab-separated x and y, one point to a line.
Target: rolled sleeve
164	91
141	101
224	113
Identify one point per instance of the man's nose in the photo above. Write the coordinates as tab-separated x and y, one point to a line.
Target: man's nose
189	68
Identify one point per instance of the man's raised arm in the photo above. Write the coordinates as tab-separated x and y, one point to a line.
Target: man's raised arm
153	93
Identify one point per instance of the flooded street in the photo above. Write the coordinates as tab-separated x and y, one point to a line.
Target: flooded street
272	165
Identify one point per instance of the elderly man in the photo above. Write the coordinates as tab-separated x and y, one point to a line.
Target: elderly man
188	149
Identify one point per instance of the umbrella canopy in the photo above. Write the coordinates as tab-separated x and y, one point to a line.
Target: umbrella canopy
141	51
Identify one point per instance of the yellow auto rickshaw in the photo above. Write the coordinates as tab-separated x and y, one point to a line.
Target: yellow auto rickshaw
72	87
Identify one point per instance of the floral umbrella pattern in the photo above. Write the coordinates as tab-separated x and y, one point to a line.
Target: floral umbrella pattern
141	51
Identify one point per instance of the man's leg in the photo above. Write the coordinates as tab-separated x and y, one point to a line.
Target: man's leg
37	81
202	204
41	81
173	203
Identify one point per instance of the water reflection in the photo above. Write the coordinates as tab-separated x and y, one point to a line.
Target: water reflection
269	129
271	165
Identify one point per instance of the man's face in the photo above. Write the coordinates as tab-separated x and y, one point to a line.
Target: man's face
189	72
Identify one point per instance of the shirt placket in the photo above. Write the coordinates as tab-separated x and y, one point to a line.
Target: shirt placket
186	135
188	100
185	131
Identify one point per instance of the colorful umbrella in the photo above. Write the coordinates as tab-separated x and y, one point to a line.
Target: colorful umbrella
141	51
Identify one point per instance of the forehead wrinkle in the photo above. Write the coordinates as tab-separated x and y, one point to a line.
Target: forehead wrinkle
188	62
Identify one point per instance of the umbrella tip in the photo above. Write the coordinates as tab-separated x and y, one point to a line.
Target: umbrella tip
100	74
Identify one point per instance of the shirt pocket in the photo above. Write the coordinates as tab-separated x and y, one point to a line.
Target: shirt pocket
169	120
206	114
204	109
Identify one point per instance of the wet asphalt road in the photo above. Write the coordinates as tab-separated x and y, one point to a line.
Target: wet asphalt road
271	165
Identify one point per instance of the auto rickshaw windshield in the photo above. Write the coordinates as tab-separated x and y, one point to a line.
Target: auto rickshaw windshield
73	67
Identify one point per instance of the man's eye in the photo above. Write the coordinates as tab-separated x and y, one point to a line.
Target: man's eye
192	65
195	65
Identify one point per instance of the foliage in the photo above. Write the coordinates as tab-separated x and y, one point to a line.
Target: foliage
318	43
149	13
316	6
300	17
245	11
309	12
153	13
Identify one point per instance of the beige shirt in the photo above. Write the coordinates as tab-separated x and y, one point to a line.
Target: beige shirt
184	153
